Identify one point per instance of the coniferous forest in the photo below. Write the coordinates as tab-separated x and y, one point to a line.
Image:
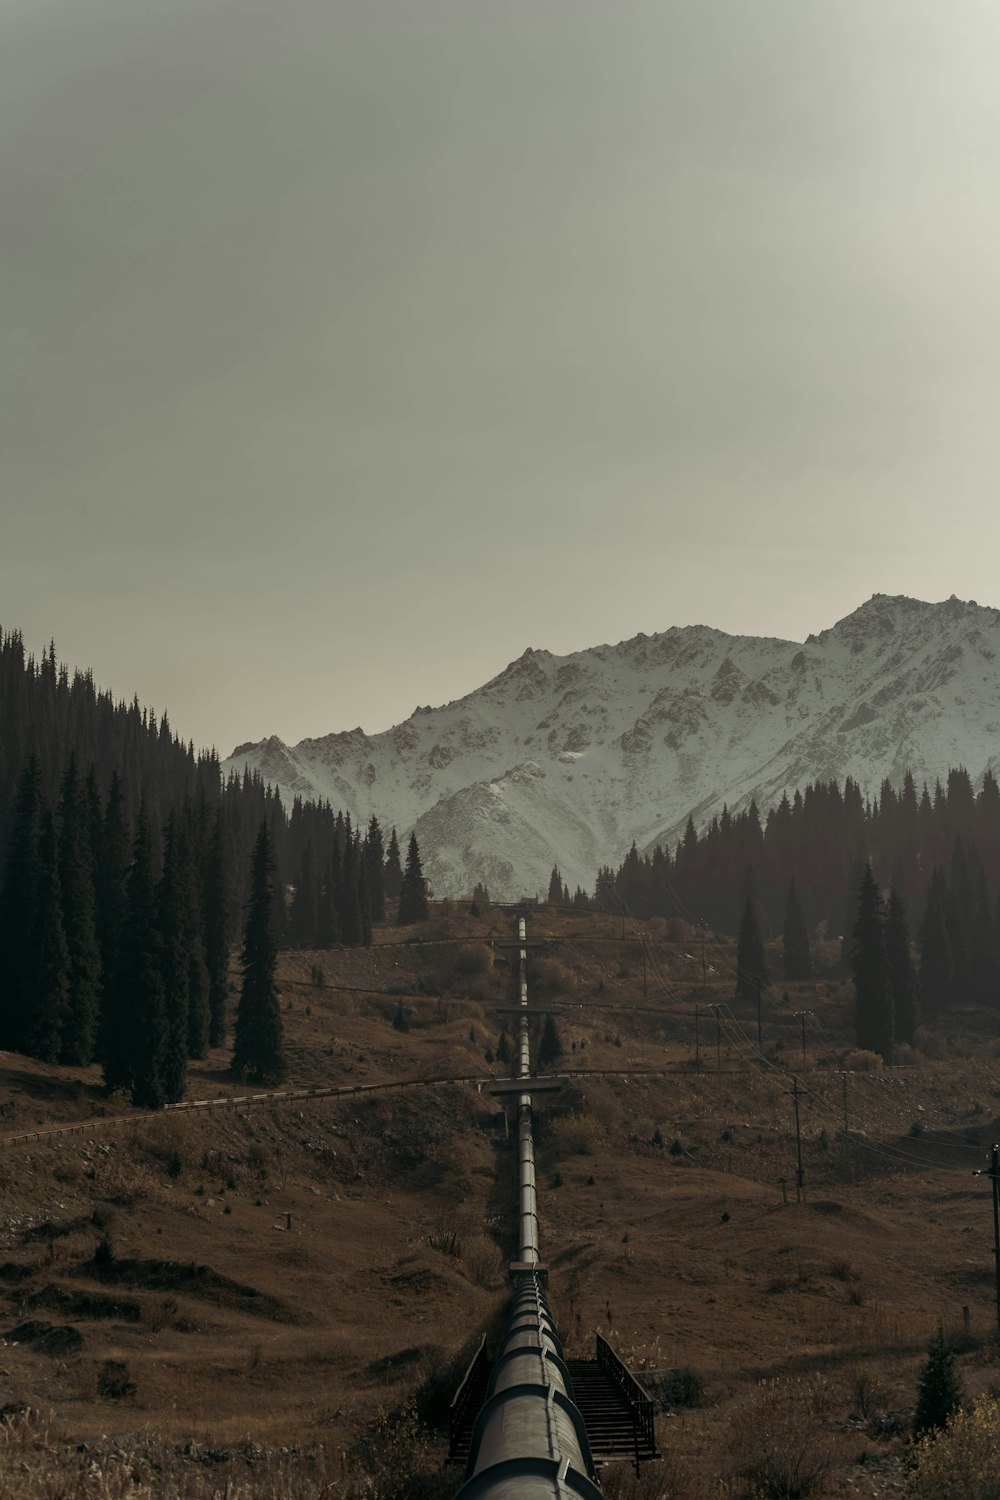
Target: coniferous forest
126	871
908	882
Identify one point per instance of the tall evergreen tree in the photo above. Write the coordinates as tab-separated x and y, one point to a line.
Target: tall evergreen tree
216	937
751	963
550	1046
76	878
413	892
374	862
393	869
556	886
136	1040
258	1048
110	880
936	968
873	996
795	938
178	935
902	975
18	899
50	989
940	1392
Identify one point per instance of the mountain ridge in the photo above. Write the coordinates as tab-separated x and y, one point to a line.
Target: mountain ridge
568	759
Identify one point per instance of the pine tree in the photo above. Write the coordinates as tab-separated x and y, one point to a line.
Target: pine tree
76	879
413	892
374	865
550	1047
902	976
555	895
940	1392
216	938
136	1039
258	1048
18	898
795	939
873	996
173	969
109	886
393	878
751	964
936	970
50	987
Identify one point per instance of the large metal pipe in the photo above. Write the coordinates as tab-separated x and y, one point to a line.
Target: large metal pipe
529	1441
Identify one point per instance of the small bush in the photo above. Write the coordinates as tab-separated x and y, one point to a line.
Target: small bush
860	1061
471	959
778	1443
963	1461
113	1382
482	1259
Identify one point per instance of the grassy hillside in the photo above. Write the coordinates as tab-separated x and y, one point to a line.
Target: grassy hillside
252	1296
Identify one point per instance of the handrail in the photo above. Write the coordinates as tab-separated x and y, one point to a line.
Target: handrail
468	1393
639	1401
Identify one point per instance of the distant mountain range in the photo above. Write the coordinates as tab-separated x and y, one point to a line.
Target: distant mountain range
567	759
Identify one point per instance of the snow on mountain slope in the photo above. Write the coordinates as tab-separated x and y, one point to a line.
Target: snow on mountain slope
566	759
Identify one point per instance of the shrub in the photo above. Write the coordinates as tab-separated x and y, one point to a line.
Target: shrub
576	1135
113	1383
778	1444
472	958
940	1392
963	1460
860	1061
481	1258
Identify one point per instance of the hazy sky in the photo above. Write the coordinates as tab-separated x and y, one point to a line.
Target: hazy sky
350	346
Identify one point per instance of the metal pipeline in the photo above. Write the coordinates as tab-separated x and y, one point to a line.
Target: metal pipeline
529	1441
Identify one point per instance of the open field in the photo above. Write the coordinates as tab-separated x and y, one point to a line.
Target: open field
258	1284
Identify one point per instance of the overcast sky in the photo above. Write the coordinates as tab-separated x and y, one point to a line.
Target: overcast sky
350	346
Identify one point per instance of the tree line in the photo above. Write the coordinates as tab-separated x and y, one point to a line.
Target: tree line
822	838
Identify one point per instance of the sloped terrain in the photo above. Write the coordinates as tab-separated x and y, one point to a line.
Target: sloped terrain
264	1280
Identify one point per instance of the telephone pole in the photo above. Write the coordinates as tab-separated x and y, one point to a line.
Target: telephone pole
704	978
993	1173
760	1036
800	1179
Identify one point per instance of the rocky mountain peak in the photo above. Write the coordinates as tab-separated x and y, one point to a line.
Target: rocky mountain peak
566	760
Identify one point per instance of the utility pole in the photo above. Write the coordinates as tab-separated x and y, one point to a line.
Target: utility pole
800	1181
800	1016
993	1173
760	1036
704	978
642	944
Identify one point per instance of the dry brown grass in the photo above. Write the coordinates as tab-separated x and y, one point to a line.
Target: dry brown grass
689	1260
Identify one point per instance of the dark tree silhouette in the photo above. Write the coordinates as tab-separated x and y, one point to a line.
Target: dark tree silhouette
76	879
135	1045
258	1049
751	964
940	1392
870	970
50	990
17	910
795	938
413	892
902	976
393	875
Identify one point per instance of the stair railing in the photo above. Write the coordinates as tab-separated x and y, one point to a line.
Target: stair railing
640	1404
468	1399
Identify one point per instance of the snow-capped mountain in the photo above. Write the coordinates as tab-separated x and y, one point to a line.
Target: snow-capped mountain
566	759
